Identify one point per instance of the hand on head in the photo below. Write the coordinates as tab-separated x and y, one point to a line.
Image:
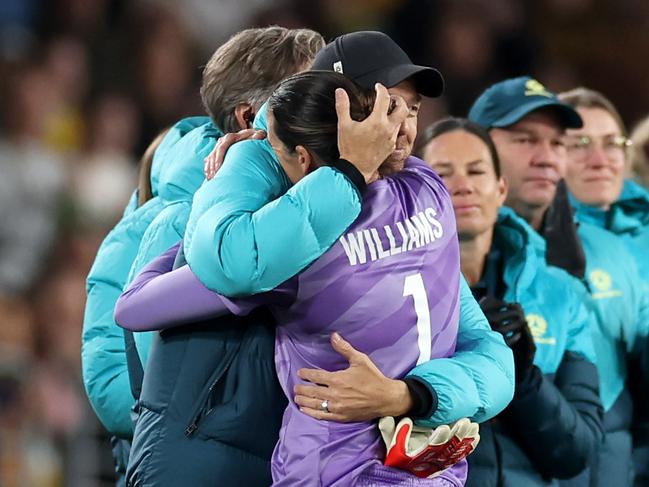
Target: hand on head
368	143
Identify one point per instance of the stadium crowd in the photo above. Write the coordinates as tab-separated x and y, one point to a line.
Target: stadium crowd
88	85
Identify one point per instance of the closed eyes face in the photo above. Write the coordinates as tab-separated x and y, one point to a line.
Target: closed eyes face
295	162
465	164
407	130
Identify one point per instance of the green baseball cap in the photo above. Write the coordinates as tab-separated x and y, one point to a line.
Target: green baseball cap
508	101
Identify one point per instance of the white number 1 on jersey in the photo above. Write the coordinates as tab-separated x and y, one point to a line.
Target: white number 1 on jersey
414	286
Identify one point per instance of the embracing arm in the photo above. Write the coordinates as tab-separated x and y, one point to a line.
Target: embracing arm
161	298
249	232
478	381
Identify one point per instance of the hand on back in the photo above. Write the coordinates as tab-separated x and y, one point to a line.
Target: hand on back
358	393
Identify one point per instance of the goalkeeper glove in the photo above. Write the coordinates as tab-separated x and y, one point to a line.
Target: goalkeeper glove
426	452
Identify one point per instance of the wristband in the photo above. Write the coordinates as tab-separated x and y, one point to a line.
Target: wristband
424	398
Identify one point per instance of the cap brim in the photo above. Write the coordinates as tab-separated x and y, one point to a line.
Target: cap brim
428	81
568	116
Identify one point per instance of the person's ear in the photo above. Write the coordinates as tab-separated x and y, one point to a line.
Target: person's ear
244	115
503	188
304	159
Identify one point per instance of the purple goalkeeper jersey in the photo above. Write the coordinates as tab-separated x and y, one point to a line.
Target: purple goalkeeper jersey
389	286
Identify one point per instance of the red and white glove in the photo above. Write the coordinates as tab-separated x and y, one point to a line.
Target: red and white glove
426	452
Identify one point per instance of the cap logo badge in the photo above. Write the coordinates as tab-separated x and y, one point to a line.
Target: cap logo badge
534	88
338	67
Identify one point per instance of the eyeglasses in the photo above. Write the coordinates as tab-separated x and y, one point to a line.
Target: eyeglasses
614	146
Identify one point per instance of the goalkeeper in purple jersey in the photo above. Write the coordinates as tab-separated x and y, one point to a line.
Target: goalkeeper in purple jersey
390	285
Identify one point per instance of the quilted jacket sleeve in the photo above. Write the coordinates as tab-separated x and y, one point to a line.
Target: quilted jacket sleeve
249	230
103	357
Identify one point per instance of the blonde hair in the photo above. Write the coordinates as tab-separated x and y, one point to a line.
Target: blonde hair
587	98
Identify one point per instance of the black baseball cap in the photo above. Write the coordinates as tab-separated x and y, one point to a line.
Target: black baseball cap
370	57
508	101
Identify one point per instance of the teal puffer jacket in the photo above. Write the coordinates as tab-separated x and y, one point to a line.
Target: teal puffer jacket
183	175
628	218
103	356
621	303
553	427
249	230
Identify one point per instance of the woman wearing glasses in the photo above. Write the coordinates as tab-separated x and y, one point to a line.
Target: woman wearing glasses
600	194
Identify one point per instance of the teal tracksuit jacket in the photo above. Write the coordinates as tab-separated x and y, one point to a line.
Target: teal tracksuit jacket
183	175
553	427
628	219
103	356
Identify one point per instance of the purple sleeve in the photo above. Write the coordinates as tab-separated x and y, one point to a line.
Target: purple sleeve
160	297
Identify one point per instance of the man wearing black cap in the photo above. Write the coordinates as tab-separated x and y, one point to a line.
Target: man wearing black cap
372	57
367	57
527	123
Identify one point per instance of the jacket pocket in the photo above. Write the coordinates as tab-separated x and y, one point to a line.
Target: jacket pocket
206	401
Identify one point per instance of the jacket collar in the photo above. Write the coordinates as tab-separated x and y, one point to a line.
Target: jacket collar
522	248
629	214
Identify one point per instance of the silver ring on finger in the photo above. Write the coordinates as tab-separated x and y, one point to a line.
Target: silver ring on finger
325	406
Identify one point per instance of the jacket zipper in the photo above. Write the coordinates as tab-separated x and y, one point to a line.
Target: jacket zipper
201	413
193	426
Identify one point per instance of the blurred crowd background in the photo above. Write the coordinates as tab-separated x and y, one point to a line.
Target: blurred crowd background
86	84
